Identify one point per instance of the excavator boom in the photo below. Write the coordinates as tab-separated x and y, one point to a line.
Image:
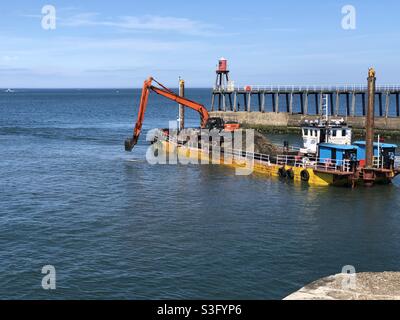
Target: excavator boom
167	93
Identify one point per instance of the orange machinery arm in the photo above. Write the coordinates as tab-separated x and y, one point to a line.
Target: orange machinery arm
167	93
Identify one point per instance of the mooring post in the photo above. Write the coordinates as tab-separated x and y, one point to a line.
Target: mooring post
369	127
181	107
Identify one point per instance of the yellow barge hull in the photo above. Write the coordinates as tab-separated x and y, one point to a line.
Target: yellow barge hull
314	177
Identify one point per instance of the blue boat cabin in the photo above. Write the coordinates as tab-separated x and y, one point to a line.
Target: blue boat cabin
336	153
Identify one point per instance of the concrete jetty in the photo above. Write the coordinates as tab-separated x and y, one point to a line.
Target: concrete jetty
366	286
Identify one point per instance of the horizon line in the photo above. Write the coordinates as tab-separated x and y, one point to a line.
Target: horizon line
89	88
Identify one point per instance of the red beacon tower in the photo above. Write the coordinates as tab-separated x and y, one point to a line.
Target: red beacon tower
223	65
222	74
223	87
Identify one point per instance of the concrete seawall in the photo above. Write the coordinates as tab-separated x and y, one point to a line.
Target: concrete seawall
286	120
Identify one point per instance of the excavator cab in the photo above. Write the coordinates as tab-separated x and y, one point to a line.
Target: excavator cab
215	123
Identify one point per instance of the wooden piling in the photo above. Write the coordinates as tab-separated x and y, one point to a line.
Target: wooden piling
369	126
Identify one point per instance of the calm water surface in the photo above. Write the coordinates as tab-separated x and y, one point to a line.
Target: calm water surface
116	227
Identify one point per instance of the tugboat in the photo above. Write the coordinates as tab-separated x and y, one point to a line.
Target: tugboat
330	141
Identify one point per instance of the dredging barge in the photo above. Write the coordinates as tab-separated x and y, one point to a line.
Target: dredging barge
328	156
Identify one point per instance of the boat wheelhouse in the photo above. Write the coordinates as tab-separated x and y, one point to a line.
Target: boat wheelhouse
324	131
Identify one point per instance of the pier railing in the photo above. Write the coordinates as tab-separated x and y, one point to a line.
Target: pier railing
306	88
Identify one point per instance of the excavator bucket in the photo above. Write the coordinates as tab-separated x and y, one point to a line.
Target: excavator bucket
130	143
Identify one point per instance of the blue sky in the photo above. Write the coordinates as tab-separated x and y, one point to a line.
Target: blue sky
119	43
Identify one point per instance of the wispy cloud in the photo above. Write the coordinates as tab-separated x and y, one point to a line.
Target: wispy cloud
8	58
140	23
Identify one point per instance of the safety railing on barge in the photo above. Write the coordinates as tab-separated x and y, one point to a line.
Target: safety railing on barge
289	160
295	161
246	155
322	164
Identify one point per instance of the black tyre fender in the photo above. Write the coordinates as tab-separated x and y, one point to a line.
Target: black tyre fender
305	176
282	172
290	174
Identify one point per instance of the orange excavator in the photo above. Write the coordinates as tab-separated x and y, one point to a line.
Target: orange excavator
206	121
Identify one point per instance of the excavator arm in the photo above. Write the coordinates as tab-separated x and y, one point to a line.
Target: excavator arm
167	93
